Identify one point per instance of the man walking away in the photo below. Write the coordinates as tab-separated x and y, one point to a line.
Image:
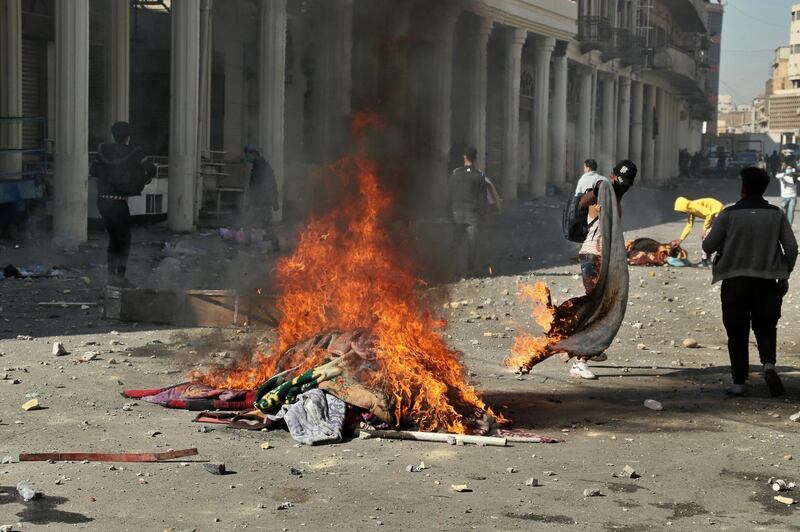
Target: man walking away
121	171
706	208
590	254
466	205
756	252
788	180
262	198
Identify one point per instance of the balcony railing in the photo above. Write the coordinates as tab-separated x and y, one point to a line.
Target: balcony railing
594	33
629	48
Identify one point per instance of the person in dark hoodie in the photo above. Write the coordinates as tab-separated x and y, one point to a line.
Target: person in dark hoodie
121	171
262	197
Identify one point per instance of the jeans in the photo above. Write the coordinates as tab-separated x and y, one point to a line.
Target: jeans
117	221
750	302
788	207
465	235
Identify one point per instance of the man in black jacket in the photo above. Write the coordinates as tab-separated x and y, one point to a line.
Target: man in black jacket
121	171
262	197
466	206
756	252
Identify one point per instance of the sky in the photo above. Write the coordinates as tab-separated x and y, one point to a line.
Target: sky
751	30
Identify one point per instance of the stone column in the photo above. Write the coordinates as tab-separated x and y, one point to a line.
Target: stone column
648	143
204	104
661	169
118	61
540	156
184	102
558	127
11	80
71	163
335	77
272	93
608	141
439	105
583	136
477	115
624	118
637	112
515	39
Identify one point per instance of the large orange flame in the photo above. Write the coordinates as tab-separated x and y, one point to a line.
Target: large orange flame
348	272
528	350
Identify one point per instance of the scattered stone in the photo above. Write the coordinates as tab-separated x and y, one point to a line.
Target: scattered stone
532	482
153	433
641	347
33	404
284	505
787	457
785	500
549	473
629	472
89	355
795	417
296	472
26	491
265	445
460	488
11	528
690	343
591	492
7	460
511	470
59	349
214	469
652	404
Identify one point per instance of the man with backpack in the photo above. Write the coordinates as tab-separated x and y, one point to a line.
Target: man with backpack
469	193
121	171
581	217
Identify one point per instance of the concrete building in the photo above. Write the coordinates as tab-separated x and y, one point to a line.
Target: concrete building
714	15
536	85
782	92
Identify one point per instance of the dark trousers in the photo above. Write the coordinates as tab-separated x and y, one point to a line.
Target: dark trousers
117	220
746	302
590	270
465	239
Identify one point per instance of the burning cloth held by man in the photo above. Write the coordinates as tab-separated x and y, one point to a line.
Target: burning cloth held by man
582	326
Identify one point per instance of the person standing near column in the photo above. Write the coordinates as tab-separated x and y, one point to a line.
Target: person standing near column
121	171
262	198
756	255
466	204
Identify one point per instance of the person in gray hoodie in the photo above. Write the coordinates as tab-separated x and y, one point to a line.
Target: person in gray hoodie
756	252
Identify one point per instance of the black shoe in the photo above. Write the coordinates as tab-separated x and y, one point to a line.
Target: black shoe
774	383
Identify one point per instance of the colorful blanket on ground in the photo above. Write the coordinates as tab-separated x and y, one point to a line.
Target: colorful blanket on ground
649	252
195	396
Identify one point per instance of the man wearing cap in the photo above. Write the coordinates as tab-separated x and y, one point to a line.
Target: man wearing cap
622	178
262	197
121	171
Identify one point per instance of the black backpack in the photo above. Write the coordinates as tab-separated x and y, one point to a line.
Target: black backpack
573	220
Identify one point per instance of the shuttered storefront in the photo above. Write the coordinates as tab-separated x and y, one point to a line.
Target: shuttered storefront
34	89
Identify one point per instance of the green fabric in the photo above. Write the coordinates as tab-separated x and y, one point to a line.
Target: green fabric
277	391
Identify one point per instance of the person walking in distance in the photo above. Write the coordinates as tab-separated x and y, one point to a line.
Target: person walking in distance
121	171
467	189
262	199
788	180
756	253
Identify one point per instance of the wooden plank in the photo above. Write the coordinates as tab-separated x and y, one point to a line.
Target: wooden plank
107	457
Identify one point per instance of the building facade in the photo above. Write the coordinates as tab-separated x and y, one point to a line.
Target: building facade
536	85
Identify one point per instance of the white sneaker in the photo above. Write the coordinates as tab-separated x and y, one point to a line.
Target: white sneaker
602	357
581	371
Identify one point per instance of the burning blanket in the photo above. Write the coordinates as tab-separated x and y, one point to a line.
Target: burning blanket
649	252
585	325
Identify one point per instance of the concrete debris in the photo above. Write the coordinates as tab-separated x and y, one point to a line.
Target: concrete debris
7	460
592	492
153	433
511	470
532	482
549	473
652	404
26	491
265	445
215	469
690	343
284	505
460	488
785	500
795	417
629	472
89	355
11	528
59	349
33	404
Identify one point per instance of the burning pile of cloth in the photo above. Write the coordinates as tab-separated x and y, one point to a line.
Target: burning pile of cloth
317	406
649	252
